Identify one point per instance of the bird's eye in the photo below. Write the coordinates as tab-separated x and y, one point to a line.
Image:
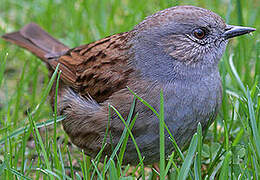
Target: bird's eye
199	33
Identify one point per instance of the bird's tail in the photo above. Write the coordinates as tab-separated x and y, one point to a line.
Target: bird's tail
36	40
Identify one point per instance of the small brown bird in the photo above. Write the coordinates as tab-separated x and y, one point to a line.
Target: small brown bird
176	50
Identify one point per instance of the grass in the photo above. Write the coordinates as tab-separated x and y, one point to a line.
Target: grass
32	142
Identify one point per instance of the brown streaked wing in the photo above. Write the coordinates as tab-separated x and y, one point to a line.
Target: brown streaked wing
98	69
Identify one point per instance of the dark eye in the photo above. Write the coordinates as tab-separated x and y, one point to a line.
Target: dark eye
199	33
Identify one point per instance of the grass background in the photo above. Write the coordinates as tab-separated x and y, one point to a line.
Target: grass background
231	148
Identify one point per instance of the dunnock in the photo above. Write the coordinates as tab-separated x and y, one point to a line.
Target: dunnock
176	50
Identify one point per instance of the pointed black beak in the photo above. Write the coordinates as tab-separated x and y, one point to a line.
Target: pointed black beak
233	31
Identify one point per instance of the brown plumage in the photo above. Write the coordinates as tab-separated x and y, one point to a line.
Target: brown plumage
99	68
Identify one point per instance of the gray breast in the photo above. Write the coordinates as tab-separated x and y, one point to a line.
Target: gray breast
190	102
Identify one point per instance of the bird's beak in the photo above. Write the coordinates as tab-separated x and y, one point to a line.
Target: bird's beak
233	31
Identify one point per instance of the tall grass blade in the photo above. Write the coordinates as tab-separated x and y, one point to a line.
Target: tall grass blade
197	162
225	167
162	146
132	137
253	123
234	71
188	159
43	150
2	67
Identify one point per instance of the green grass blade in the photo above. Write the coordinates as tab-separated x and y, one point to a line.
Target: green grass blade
253	123
125	133
99	175
19	95
2	67
188	159
70	162
225	167
84	166
144	102
26	128
132	137
55	151
197	162
18	174
162	146
104	169
62	164
46	91
48	172
113	171
122	140
43	150
167	168
234	71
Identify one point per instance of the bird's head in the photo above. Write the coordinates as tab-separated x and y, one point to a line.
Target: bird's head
186	36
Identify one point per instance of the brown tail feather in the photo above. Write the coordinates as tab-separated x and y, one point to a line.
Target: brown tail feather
36	40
